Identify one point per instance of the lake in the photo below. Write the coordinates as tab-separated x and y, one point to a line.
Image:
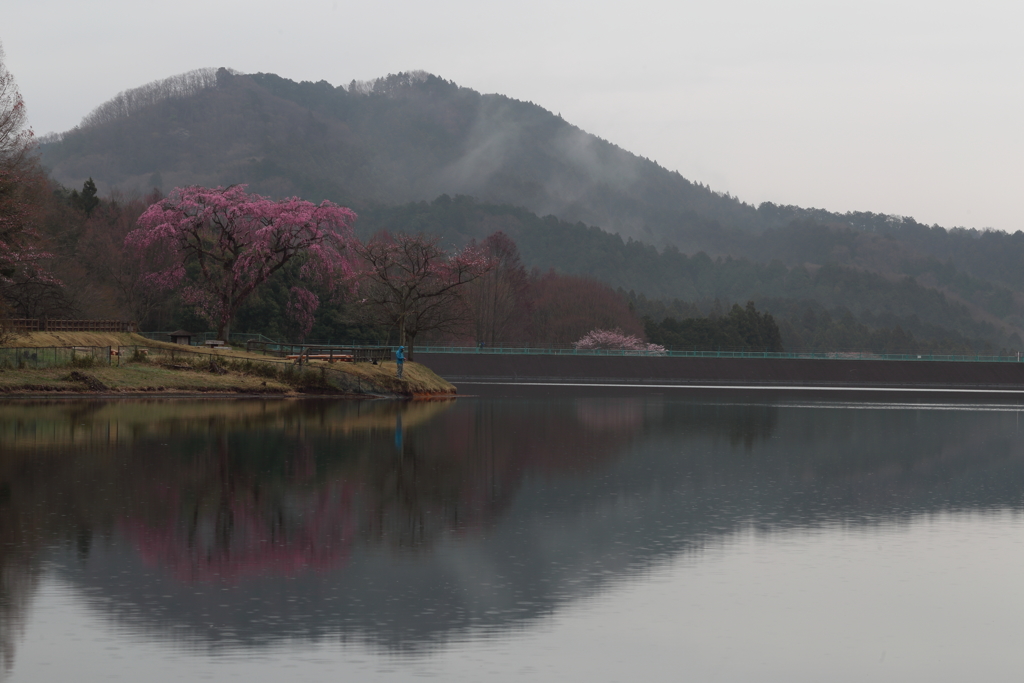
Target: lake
544	535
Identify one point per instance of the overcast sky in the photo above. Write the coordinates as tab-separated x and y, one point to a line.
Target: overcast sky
911	108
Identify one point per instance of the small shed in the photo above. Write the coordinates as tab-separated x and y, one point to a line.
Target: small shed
181	337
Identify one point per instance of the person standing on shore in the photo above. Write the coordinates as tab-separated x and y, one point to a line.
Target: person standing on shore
400	359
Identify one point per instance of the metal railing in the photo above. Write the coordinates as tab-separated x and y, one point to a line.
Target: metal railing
808	355
262	344
198	339
330	353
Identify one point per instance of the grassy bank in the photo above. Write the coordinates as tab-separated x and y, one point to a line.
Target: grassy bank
134	378
41	339
147	367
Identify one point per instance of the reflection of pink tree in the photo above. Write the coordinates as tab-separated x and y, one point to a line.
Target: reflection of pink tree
245	535
223	516
228	524
238	241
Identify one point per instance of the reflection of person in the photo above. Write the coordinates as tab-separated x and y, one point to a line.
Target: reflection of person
400	359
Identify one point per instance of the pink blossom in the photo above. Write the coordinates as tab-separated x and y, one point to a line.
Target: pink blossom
301	307
616	340
238	241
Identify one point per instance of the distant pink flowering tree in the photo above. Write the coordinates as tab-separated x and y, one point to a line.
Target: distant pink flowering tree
412	284
238	241
615	339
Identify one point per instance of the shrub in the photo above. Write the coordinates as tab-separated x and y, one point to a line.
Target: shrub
82	361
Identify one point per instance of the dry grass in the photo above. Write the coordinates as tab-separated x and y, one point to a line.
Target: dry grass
41	339
189	372
416	379
359	378
138	377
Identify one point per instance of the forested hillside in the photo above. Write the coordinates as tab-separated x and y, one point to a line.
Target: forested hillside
973	311
416	136
399	149
400	138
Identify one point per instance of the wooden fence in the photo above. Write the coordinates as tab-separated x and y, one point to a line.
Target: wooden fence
43	325
358	354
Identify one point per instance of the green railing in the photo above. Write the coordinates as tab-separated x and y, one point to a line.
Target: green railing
805	355
263	343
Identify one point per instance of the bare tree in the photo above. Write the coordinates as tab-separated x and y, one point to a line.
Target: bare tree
411	284
499	299
25	286
129	102
566	307
123	272
15	138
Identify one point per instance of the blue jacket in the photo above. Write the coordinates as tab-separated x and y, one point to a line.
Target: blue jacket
400	354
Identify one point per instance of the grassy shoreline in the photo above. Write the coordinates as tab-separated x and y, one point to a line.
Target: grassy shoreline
206	373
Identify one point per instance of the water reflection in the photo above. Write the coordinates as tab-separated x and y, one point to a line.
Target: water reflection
405	525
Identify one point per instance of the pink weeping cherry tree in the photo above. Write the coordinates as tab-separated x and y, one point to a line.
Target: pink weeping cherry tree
237	241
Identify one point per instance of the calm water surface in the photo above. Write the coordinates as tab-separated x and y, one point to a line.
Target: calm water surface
544	537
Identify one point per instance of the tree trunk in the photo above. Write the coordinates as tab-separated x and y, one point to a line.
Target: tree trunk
223	330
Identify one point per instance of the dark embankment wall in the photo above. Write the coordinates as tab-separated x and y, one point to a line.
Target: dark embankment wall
921	374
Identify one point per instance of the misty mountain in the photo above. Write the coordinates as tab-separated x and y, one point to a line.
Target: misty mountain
413	137
401	138
389	147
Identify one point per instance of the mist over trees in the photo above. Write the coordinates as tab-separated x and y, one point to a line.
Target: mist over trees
402	137
932	301
413	153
